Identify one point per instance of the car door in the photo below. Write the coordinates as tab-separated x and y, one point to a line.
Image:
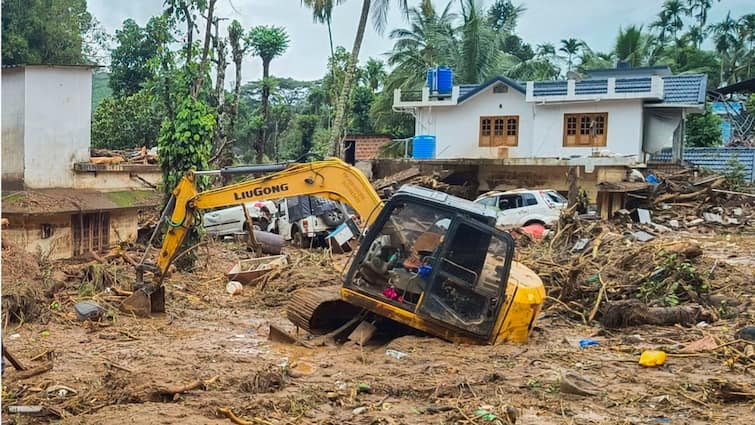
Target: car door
283	226
510	210
530	210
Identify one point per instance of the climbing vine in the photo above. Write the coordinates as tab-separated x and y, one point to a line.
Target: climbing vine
185	143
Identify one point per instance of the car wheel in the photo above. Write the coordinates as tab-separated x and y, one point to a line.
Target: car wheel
333	218
299	240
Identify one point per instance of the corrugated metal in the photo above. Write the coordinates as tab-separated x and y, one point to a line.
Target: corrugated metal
591	87
716	159
685	89
550	88
633	85
465	89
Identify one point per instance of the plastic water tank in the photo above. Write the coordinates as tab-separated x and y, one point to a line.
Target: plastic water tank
430	79
445	78
423	147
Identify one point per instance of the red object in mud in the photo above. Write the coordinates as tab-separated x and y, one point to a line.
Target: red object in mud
390	293
536	231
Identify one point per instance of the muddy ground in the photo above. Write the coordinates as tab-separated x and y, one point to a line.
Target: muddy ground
117	372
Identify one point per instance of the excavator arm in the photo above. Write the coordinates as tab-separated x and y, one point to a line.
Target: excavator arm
331	178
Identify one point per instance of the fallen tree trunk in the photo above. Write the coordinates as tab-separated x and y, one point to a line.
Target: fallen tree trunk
624	313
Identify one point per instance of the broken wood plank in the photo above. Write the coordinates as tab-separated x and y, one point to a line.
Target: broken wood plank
34	371
13	360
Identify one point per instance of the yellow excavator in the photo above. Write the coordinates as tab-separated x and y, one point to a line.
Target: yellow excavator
426	259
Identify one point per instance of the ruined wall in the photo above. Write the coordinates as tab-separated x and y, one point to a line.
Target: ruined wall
367	148
123	226
109	180
27	232
13	127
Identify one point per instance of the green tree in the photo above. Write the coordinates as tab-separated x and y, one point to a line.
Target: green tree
703	130
322	12
127	122
479	57
374	73
699	9
631	46
361	103
130	59
45	31
571	47
380	16
503	16
268	42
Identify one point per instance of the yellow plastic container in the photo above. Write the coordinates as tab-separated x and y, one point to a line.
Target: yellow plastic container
652	358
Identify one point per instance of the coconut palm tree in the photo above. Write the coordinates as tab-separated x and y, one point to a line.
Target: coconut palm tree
726	42
428	41
503	16
631	46
699	9
674	10
374	73
267	42
479	56
379	19
572	47
322	12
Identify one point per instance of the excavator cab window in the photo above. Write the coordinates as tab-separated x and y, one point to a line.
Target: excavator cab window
468	279
397	264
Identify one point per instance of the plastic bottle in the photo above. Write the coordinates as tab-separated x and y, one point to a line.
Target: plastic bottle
652	358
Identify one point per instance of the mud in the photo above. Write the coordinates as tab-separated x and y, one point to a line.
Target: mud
220	341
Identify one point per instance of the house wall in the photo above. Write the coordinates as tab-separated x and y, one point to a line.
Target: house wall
56	124
13	126
109	180
367	148
624	128
456	128
26	231
541	127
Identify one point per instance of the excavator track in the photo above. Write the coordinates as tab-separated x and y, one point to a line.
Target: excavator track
319	310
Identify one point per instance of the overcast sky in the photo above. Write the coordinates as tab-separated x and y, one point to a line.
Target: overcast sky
594	21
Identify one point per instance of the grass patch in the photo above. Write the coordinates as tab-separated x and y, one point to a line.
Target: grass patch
130	197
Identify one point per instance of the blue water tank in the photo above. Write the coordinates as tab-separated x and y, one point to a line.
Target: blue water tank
430	79
423	147
445	80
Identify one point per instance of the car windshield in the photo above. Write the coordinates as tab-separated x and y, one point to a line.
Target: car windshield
555	197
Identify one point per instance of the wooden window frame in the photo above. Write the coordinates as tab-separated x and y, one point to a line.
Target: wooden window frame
487	134
577	135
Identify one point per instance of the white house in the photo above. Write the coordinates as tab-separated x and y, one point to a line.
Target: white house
627	112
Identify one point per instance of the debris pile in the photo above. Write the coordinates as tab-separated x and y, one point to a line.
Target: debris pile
683	200
596	269
24	286
311	268
130	156
435	181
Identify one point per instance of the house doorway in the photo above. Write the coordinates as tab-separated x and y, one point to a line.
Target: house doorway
350	151
91	232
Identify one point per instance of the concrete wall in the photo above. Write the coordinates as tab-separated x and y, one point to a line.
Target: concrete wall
109	180
623	128
456	128
27	232
13	126
57	124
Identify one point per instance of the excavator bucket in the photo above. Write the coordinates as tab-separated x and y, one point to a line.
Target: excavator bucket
145	301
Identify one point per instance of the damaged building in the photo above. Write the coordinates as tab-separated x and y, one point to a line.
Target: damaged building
59	203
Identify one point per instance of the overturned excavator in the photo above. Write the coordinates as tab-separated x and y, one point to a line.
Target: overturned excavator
427	260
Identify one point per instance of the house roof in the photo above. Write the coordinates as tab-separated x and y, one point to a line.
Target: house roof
716	159
52	65
744	86
58	201
685	89
467	91
645	71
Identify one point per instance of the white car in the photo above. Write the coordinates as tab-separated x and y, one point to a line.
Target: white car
228	221
522	207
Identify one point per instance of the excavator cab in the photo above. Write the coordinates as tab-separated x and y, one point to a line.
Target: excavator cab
436	263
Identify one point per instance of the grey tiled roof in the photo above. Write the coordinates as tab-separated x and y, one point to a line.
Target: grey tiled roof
471	91
716	159
685	89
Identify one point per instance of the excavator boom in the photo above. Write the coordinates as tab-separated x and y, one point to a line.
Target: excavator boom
331	178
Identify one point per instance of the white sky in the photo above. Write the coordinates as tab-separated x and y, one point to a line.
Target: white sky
594	21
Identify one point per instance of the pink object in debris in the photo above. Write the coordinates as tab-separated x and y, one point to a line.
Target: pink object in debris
536	231
390	293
